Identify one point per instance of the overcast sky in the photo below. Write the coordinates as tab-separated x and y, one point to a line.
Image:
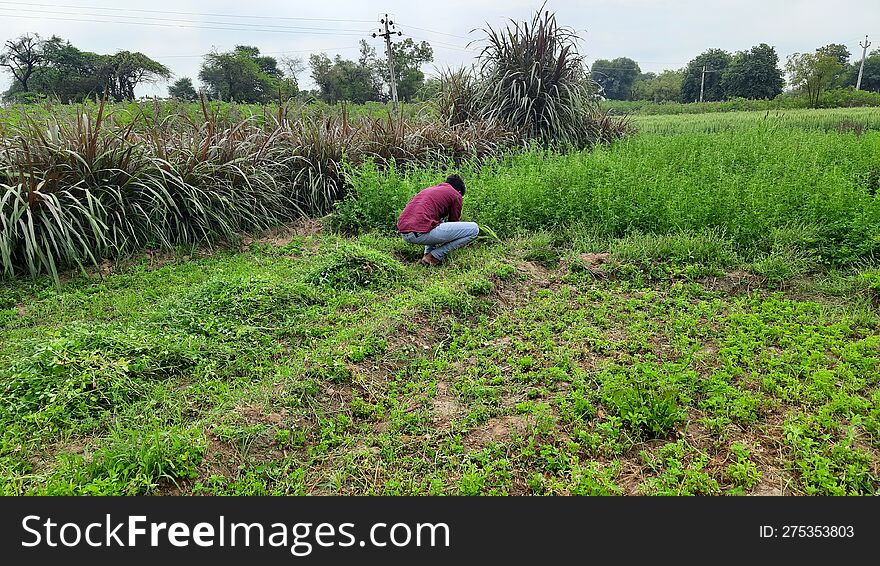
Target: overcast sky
657	34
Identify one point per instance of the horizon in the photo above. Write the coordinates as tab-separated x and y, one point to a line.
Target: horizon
178	35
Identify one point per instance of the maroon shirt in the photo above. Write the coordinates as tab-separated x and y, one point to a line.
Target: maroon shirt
424	211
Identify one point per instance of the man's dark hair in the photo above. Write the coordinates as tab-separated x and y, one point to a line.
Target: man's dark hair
457	183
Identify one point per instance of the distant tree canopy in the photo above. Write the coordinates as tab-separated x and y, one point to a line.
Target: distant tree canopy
367	79
408	57
241	75
870	73
340	79
836	50
616	77
716	62
55	67
665	87
123	71
811	73
753	74
22	57
183	89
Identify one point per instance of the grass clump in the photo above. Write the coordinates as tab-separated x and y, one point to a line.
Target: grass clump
352	267
646	397
130	463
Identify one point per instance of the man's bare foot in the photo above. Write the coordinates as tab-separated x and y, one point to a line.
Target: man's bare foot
428	259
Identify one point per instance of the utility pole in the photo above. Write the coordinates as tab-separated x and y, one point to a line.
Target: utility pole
862	66
387	32
702	82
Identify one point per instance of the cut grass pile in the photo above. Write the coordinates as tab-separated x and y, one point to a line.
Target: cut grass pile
528	366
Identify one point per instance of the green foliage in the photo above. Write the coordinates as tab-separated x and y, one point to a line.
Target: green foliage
615	77
54	67
458	96
354	267
716	62
753	74
724	192
665	87
833	98
343	80
679	472
870	72
241	75
812	73
408	57
131	463
230	374
367	79
82	375
743	472
183	89
645	397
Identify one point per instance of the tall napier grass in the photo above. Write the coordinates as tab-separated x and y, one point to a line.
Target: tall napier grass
531	79
747	184
77	188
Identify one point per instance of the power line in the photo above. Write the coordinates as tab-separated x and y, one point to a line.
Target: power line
264	52
178	20
442	44
184	26
185	13
437	32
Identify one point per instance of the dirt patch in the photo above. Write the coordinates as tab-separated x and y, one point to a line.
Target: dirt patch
21	309
221	458
255	415
445	406
497	429
736	282
768	486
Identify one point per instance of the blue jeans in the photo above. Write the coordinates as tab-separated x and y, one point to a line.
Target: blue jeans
444	238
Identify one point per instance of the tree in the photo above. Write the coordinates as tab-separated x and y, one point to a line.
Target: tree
842	55
616	77
293	66
665	87
715	61
22	57
871	72
73	75
753	74
341	79
836	50
408	57
242	75
183	89
811	73
124	70
67	72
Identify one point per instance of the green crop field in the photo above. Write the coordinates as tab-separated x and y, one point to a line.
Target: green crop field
692	310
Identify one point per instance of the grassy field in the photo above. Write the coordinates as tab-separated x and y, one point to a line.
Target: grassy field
841	120
680	313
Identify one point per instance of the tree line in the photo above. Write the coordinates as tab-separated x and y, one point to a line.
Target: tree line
55	68
752	74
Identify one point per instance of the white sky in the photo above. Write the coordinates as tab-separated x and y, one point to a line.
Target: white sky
658	35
